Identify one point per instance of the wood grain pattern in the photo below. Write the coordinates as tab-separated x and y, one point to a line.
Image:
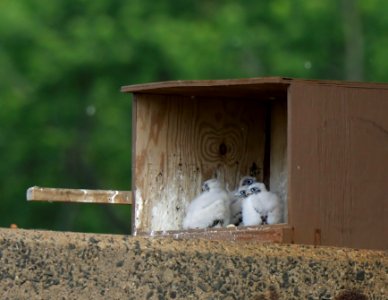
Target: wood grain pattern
78	195
338	165
181	141
328	151
258	234
246	87
278	158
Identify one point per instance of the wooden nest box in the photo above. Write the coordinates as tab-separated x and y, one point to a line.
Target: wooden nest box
322	146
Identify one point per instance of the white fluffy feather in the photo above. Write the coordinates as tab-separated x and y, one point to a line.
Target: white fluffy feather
261	206
208	207
235	206
237	197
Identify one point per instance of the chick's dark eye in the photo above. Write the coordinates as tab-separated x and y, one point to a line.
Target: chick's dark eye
243	193
247	182
255	190
205	187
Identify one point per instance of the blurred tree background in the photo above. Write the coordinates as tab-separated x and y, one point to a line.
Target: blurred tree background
63	121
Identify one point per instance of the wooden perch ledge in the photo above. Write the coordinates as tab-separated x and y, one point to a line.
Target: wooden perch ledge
78	195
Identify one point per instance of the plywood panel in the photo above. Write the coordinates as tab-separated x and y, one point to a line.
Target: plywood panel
259	234
228	88
338	152
246	87
181	141
36	193
278	158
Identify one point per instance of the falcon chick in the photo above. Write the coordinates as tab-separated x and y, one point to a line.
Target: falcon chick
210	208
261	206
236	205
236	199
247	181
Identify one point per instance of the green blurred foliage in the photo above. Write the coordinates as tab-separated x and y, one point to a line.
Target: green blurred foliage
63	121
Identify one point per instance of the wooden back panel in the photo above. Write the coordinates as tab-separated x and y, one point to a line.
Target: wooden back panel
338	164
181	141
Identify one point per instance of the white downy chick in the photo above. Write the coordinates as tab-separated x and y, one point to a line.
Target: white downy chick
236	205
246	181
261	206
238	196
210	208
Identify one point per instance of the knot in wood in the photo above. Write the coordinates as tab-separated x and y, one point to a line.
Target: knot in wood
223	149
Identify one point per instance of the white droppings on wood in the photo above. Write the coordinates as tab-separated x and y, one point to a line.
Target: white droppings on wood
172	200
278	169
112	199
280	188
138	209
283	192
78	195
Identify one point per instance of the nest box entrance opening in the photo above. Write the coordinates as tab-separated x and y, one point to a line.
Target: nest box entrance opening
184	135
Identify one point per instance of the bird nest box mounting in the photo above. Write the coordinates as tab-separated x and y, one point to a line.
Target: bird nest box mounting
320	145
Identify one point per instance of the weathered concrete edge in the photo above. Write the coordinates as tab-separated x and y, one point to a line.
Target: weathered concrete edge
46	264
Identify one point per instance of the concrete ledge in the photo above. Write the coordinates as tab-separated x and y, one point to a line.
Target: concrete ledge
57	265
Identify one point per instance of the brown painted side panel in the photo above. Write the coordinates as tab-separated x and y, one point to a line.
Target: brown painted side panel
338	165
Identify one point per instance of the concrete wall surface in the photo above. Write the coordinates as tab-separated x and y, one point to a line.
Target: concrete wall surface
62	265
